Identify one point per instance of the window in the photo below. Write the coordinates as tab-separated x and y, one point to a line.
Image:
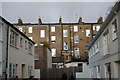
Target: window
108	70
75	28
76	39
53	52
114	30
53	39
105	42
67	58
96	47
30	47
13	38
90	53
42	33
97	28
98	71
52	29
12	70
30	30
31	38
76	51
25	44
93	27
0	31
64	33
93	51
87	33
21	41
65	46
29	71
21	29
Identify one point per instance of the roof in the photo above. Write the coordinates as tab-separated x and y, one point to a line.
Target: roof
112	13
24	24
15	29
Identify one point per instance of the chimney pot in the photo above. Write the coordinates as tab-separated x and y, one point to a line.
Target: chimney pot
80	20
60	20
39	20
20	21
100	19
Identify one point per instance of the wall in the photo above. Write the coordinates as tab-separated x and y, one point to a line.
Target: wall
85	73
43	57
83	40
112	57
49	59
119	39
3	49
20	56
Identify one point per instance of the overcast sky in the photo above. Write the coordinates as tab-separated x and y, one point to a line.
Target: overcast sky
50	11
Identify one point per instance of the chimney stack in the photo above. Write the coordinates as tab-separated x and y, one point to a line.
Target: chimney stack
100	19
60	20
39	20
80	20
20	21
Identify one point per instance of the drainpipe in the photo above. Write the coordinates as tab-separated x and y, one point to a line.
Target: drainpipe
7	53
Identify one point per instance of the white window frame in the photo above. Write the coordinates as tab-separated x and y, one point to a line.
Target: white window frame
105	43
30	29
1	31
21	29
53	39
98	71
97	28
53	29
65	33
42	33
87	33
13	38
94	27
75	28
114	29
65	46
76	39
12	69
77	53
53	52
30	47
31	38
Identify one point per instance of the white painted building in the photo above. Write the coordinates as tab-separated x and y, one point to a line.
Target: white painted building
20	56
104	53
3	47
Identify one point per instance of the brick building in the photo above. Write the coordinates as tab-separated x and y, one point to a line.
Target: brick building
68	41
43	57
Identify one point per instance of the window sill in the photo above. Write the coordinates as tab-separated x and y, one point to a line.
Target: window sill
115	39
106	55
14	46
30	54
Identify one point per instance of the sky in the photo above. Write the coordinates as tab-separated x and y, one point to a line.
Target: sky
51	11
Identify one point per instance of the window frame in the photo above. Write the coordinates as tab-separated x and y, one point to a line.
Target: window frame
42	34
75	28
65	33
53	52
52	28
30	29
